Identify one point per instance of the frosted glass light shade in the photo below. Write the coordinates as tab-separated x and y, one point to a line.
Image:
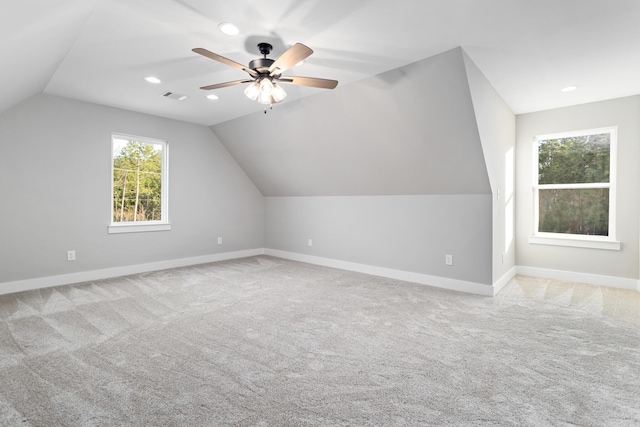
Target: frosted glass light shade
252	91
265	98
278	93
266	86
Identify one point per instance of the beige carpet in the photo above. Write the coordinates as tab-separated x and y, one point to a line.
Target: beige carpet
263	341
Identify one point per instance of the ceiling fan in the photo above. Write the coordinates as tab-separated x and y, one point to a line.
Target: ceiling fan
266	74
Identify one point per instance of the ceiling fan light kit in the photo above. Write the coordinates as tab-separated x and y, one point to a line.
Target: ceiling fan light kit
265	91
266	74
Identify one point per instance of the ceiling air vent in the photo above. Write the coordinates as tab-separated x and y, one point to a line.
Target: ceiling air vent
176	96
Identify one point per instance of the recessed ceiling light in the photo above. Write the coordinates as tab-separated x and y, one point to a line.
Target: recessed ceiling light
152	79
569	88
229	29
300	63
212	96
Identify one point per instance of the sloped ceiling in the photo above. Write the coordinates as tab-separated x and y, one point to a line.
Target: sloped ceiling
407	131
100	50
35	38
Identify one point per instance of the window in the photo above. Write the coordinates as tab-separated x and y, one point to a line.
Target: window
574	189
139	197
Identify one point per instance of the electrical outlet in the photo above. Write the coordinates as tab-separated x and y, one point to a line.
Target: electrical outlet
219	240
448	259
310	243
71	255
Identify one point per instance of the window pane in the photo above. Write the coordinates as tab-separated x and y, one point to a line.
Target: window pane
137	181
575	211
573	160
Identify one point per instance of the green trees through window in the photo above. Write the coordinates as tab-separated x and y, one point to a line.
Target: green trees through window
137	180
574	184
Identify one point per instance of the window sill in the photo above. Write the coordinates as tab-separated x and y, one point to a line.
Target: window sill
137	228
576	242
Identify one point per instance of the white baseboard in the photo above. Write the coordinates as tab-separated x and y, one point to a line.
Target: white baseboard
424	279
502	282
87	276
572	276
407	276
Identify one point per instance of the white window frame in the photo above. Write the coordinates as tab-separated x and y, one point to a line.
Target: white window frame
143	226
577	240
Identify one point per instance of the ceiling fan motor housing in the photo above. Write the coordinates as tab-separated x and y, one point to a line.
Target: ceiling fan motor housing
261	65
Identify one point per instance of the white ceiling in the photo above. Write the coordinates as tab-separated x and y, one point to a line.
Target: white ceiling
100	50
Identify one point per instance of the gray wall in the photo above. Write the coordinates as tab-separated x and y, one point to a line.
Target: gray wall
497	129
624	113
395	166
401	169
408	233
55	191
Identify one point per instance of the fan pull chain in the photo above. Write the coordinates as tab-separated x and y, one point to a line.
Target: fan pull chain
270	108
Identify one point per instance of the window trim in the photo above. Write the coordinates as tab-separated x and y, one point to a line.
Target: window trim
577	240
143	226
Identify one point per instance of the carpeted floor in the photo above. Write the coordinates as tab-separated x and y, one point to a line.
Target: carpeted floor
263	341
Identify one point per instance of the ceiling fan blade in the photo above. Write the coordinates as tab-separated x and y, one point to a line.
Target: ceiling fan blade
291	57
221	85
309	81
227	61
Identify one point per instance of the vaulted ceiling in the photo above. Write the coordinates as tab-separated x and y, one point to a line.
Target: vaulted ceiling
100	50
